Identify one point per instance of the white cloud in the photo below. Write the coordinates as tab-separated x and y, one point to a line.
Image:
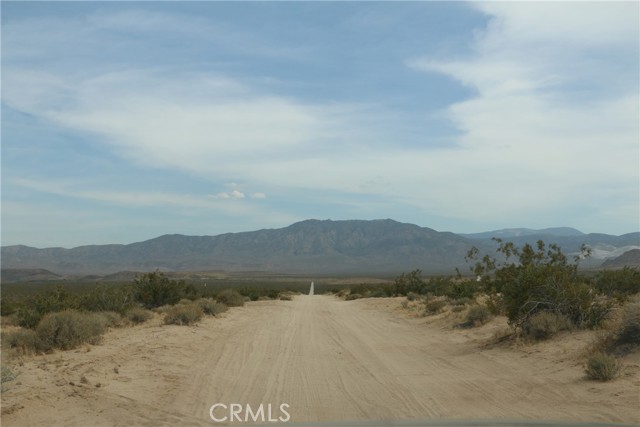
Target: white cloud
550	118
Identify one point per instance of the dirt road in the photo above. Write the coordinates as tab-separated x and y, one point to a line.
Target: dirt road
325	358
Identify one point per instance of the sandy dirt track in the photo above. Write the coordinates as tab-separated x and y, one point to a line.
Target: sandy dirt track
326	358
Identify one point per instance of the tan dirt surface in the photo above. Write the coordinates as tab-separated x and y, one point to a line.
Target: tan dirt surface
327	359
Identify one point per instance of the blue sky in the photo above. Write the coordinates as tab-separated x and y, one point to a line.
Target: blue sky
123	121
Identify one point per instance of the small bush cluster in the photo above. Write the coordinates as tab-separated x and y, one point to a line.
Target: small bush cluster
137	315
351	297
183	314
211	307
230	298
543	325
478	315
434	307
69	328
602	367
23	341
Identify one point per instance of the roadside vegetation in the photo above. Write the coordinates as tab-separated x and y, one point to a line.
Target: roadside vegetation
541	293
67	317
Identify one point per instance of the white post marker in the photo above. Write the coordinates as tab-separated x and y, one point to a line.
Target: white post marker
311	289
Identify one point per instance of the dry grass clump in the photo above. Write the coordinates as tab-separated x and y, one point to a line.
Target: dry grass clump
210	306
434	307
69	328
543	325
352	297
137	315
22	341
183	314
478	315
602	367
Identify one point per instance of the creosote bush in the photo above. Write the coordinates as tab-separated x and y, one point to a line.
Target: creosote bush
183	314
68	329
230	298
602	367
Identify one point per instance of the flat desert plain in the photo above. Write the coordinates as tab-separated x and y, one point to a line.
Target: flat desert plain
327	359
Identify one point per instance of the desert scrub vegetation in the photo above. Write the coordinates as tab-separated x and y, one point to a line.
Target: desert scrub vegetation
434	307
69	328
210	306
22	342
6	376
602	367
183	314
477	315
544	324
137	315
530	280
230	298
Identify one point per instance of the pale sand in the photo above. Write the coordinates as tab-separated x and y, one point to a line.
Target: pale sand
328	359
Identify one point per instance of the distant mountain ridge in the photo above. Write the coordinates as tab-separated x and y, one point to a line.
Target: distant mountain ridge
507	233
306	247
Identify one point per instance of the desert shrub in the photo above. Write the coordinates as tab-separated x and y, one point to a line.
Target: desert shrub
378	293
184	314
618	283
412	296
69	328
114	298
540	279
478	315
210	306
458	308
602	367
137	315
285	297
36	307
156	289
629	330
112	319
6	376
351	297
544	325
461	301
405	304
406	283
8	306
461	289
230	298
24	341
434	307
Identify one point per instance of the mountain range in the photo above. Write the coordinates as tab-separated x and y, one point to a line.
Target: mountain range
307	247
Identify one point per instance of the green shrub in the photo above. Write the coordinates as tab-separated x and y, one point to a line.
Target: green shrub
435	306
230	298
461	301
36	307
478	315
602	367
544	325
68	329
113	298
184	314
618	283
155	289
210	307
351	297
412	296
137	315
24	341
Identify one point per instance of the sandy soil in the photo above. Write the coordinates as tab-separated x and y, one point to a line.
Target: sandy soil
327	359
